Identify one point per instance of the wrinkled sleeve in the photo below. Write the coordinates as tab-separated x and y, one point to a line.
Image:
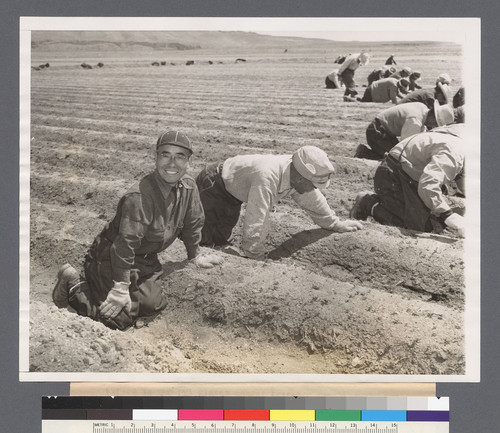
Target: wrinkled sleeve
316	206
411	126
256	223
193	223
133	223
441	169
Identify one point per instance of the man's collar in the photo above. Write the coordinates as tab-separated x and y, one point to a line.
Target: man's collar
165	187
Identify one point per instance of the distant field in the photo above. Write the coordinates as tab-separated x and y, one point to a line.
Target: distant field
385	304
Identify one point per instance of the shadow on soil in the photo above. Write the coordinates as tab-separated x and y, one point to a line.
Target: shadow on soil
298	241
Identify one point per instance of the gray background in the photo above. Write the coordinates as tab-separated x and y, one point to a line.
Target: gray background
474	407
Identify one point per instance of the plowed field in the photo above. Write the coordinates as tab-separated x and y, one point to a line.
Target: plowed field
379	301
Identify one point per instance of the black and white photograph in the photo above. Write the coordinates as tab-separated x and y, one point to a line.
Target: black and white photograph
273	199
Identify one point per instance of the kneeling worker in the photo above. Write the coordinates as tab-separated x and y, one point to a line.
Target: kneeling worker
260	181
387	89
396	123
122	271
408	182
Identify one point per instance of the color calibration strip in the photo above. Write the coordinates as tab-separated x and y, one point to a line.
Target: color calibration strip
376	409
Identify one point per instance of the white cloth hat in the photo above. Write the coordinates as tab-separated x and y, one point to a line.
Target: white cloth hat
444	113
443	79
364	59
313	164
447	92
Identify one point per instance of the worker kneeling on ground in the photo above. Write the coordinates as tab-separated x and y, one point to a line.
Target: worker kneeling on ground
409	182
261	181
122	272
396	123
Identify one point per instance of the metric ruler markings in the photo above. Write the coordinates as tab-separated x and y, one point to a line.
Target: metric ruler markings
87	426
356	428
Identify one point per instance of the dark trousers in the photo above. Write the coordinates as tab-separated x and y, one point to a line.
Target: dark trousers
379	140
146	290
367	96
348	80
399	202
222	210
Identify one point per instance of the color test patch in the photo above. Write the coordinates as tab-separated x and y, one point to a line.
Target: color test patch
292	415
246	415
338	415
201	414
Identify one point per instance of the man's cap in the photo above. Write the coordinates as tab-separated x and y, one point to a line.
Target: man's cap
407	70
364	58
416	74
175	138
444	113
313	164
447	91
443	79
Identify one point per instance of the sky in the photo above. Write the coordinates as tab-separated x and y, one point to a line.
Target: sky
339	29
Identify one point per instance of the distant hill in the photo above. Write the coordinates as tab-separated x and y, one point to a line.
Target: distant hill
179	40
154	40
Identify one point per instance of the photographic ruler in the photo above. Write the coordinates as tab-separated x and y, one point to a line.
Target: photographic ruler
245	414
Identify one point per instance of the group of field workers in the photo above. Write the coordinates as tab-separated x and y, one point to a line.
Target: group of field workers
419	141
121	283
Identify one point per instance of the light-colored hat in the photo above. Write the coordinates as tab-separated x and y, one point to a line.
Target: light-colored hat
444	113
447	92
443	79
313	164
364	59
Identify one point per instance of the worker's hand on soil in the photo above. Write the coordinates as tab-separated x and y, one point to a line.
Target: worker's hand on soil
118	298
456	222
347	226
207	260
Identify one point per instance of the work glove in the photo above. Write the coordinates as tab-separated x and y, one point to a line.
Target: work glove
118	299
456	222
347	226
207	260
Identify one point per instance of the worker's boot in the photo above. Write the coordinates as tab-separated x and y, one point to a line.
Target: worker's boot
67	278
363	204
365	152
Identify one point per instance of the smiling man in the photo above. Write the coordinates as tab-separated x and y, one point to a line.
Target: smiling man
122	272
261	181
